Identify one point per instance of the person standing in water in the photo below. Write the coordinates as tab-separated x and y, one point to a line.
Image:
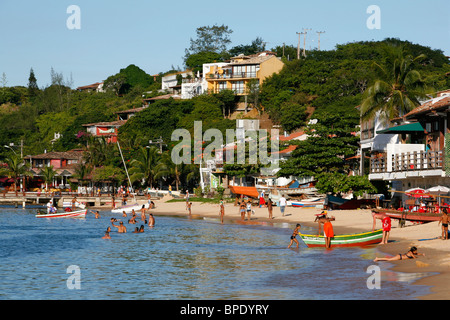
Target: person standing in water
221	211
294	234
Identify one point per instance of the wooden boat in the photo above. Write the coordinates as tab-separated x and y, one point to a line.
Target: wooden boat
410	215
348	240
306	203
246	191
65	214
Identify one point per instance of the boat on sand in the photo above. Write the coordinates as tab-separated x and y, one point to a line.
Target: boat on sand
347	240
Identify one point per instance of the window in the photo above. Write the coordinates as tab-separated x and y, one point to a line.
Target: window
238	87
222	85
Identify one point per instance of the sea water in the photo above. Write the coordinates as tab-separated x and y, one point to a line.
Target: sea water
180	258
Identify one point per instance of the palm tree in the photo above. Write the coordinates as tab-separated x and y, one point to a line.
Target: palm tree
48	174
398	86
16	168
145	166
176	171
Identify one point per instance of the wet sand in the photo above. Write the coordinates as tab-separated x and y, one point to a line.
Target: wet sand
437	251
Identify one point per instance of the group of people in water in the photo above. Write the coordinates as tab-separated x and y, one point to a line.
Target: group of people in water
121	228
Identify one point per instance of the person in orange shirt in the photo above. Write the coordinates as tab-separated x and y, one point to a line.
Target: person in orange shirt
328	232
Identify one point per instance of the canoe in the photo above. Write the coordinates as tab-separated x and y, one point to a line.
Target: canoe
348	240
65	214
410	216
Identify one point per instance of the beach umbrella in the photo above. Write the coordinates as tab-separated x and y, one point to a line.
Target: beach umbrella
417	193
438	189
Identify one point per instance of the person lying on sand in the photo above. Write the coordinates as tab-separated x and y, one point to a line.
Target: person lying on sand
411	254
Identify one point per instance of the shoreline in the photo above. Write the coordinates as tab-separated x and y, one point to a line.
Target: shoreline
437	259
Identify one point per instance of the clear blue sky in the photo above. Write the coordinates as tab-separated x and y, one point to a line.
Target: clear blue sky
153	34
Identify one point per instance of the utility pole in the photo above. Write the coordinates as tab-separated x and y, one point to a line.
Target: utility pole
319	32
298	44
305	31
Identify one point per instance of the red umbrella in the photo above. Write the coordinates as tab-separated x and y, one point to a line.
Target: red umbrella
417	193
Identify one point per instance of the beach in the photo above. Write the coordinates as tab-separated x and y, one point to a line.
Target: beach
436	259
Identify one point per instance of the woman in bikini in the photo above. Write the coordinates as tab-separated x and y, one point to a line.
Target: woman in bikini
411	254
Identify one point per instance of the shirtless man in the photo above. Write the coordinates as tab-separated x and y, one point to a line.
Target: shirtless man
151	220
444	221
120	228
106	236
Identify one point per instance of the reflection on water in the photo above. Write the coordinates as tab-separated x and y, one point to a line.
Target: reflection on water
179	259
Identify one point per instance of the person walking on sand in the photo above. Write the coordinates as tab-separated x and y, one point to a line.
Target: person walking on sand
282	204
411	254
269	208
444	220
294	234
221	211
386	222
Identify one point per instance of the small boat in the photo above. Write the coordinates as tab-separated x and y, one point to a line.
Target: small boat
307	203
65	214
129	208
410	215
348	240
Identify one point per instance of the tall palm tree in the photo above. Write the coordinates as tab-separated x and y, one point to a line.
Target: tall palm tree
16	168
145	166
397	88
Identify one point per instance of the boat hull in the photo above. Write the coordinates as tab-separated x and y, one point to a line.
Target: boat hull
129	208
350	240
411	216
70	214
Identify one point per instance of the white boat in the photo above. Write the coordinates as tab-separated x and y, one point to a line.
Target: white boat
130	207
68	204
65	214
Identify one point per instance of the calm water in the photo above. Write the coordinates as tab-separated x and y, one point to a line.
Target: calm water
180	259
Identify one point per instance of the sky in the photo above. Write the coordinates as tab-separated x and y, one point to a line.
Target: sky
154	34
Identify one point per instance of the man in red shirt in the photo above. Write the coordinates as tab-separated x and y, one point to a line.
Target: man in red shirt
386	222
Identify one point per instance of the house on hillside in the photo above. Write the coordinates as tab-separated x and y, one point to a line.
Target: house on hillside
172	82
236	74
97	87
416	152
108	130
63	163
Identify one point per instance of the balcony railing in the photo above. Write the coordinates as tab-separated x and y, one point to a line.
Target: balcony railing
235	75
409	161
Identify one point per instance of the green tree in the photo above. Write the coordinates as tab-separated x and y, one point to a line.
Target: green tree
210	39
146	166
397	88
33	88
48	173
15	168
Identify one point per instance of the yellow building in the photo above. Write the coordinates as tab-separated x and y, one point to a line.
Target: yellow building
240	71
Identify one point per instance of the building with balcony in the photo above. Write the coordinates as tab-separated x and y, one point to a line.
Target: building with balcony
416	151
237	74
108	130
63	164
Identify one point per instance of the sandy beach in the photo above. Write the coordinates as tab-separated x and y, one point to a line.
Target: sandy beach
437	251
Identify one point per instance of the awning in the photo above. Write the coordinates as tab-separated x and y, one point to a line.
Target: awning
404	128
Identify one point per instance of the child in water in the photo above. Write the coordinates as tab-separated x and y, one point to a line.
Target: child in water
294	234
